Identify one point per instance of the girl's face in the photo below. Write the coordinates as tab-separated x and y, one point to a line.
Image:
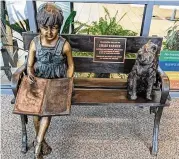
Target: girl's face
49	32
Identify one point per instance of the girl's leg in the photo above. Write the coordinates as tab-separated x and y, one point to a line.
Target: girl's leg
36	124
43	126
46	149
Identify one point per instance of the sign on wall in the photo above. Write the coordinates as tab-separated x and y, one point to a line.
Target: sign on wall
169	62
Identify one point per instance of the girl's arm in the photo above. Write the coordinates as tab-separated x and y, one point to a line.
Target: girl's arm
67	51
30	62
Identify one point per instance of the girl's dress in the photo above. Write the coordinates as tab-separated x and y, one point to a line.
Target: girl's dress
46	97
50	62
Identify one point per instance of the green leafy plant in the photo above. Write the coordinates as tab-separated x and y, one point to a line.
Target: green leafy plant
79	26
82	54
106	25
20	26
69	21
172	38
130	55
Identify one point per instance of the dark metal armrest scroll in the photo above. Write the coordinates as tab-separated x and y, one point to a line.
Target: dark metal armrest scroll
16	78
165	85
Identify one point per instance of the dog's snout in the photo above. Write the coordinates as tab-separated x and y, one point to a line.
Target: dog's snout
139	55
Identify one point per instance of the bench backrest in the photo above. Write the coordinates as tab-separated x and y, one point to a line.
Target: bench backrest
85	43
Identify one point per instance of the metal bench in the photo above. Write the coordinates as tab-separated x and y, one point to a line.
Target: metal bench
105	90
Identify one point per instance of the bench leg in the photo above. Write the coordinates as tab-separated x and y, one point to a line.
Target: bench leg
24	147
8	74
158	115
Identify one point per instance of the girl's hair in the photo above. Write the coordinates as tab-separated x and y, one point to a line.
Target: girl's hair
49	14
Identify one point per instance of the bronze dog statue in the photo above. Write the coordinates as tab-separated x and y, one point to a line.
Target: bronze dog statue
143	75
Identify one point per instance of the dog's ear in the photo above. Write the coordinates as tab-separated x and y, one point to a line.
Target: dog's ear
141	50
151	47
154	48
148	44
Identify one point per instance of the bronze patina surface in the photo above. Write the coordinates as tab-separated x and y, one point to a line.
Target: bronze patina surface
143	74
44	97
50	57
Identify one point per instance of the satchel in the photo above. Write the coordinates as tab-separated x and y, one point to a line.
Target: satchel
45	97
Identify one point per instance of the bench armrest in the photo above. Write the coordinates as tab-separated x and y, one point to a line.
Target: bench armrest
165	85
16	78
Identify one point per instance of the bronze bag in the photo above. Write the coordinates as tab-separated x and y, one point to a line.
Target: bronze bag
45	97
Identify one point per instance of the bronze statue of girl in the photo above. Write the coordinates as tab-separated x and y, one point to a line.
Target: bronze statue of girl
49	57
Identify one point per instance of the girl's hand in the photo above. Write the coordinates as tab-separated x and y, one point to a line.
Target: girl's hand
31	78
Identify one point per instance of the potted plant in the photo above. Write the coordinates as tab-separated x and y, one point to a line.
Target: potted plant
172	38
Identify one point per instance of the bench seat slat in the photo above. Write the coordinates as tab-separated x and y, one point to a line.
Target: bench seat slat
107	83
100	83
93	96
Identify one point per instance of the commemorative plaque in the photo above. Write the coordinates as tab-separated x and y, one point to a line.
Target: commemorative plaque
109	50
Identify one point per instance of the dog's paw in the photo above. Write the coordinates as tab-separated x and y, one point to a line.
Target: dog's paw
133	97
148	97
